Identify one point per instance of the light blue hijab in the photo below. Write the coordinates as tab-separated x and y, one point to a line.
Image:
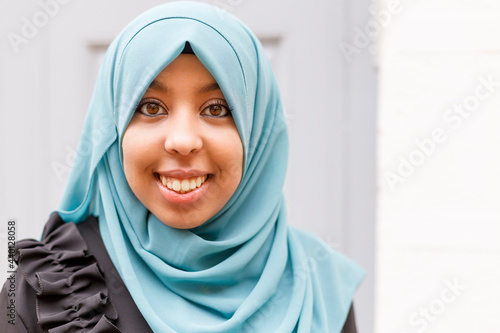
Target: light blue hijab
244	270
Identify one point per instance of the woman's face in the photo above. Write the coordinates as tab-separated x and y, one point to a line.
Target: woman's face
182	154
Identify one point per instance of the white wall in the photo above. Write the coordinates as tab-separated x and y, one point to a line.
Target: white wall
438	253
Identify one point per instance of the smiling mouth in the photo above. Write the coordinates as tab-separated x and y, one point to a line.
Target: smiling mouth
180	185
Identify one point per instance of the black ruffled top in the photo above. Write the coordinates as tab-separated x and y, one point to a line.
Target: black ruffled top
61	288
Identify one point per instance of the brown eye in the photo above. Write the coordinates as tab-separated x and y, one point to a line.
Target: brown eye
151	109
216	110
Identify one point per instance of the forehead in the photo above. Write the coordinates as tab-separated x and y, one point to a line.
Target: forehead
186	64
186	69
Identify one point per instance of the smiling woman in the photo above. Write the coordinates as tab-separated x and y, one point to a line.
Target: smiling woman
182	154
174	220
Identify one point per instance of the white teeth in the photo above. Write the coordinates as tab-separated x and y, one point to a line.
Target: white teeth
182	185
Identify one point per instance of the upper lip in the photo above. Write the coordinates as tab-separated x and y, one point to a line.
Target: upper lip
182	173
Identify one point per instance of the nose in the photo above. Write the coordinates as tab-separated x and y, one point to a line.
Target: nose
182	135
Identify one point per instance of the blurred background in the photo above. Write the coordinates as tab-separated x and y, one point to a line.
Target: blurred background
391	110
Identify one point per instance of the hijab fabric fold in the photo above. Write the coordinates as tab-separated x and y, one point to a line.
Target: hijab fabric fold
244	270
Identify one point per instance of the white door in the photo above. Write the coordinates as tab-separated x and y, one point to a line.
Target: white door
49	58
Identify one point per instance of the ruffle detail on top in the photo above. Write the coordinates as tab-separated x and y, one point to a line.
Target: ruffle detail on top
71	294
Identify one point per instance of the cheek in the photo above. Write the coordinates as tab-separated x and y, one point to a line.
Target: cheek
129	152
135	152
233	159
237	161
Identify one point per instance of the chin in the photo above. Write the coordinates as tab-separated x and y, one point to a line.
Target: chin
182	220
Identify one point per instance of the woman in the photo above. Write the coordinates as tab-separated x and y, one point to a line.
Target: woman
176	198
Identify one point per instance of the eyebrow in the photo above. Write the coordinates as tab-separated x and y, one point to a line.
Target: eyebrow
157	85
208	87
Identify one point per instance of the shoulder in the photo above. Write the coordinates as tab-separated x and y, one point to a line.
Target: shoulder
58	285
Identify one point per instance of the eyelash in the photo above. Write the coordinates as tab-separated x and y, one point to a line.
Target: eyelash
220	103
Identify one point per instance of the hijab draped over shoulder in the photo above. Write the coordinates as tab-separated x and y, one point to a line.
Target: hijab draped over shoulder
244	270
